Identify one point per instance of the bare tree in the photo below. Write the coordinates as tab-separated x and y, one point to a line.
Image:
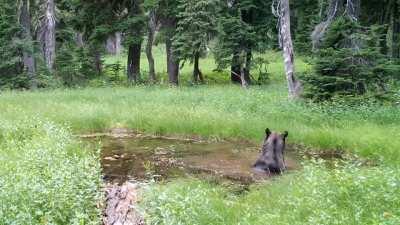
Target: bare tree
28	51
349	8
285	41
47	34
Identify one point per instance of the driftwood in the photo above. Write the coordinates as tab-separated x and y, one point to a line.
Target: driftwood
120	205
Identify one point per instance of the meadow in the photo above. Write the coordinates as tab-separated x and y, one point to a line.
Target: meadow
59	180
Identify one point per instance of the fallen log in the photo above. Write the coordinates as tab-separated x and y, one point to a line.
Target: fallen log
121	202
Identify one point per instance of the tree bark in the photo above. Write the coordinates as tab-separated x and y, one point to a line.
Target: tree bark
169	25
197	75
384	20
134	49
111	44
353	8
334	9
294	85
79	39
49	35
151	29
121	205
118	43
28	52
242	77
249	56
134	62
172	63
235	68
243	68
97	61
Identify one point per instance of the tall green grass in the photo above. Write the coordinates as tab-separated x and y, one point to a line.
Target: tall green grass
45	176
348	195
218	111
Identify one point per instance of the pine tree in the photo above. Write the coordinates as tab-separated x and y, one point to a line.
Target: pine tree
244	28
10	46
196	25
342	70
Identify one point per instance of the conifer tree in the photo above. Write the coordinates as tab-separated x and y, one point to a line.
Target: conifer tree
196	25
10	45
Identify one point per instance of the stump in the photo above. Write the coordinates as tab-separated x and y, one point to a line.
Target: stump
121	201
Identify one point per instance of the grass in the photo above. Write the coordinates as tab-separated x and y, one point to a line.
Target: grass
217	111
207	66
47	176
347	195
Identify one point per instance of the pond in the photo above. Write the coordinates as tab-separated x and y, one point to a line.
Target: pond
161	159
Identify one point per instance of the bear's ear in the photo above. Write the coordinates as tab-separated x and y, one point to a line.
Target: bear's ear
285	134
267	132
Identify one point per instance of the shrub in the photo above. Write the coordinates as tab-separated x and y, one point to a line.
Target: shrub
46	177
349	63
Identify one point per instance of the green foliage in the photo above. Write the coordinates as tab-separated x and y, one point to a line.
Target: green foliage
245	25
45	176
349	63
303	20
260	65
10	46
74	65
316	195
196	25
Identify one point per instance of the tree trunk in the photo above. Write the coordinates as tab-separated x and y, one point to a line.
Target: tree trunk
134	63
134	49
248	66
242	77
334	9
49	35
235	68
384	20
151	29
395	45
294	85
97	61
172	63
243	68
28	52
79	39
118	43
197	75
353	8
111	45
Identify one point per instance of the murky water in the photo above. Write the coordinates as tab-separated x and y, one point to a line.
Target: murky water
145	158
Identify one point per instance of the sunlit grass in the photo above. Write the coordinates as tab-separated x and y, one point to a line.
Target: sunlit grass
219	111
207	65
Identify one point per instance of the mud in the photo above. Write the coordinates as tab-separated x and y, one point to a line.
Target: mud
146	158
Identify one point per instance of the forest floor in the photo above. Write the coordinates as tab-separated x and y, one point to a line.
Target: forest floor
58	176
